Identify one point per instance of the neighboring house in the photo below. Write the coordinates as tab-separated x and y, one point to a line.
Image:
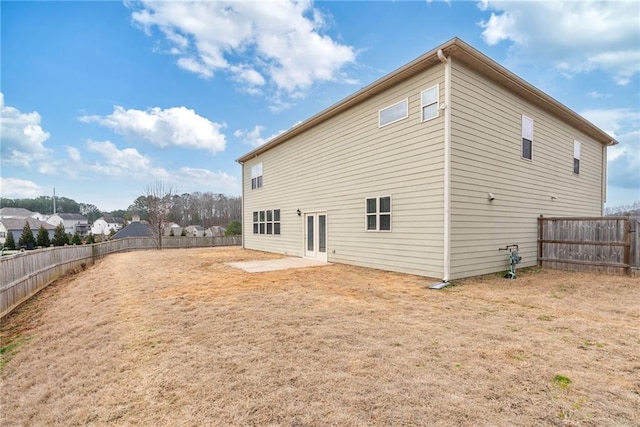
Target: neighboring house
39	216
215	231
134	229
172	227
73	223
13	213
428	170
195	231
105	224
16	225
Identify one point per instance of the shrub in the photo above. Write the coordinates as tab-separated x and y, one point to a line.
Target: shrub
26	239
234	229
43	237
60	238
10	243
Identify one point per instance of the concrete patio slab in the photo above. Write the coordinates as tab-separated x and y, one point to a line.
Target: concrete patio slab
276	264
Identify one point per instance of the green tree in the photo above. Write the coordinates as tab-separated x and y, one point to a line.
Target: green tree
43	237
112	232
26	239
234	229
9	242
90	239
183	233
171	233
76	240
60	238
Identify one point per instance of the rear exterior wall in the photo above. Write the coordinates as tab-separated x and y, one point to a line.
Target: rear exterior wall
336	165
486	157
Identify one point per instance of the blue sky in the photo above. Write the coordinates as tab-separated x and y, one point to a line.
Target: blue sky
100	99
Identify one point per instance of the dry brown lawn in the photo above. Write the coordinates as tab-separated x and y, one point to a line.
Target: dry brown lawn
176	337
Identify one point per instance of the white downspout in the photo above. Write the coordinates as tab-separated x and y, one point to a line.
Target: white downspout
603	183
447	165
242	208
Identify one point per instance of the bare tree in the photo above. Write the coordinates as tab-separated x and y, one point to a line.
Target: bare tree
157	203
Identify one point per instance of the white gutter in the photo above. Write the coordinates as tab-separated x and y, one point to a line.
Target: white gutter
447	165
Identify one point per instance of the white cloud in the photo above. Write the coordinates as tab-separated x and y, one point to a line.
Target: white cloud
623	159
199	178
614	121
19	188
21	135
177	126
125	163
74	154
276	42
253	137
129	164
575	36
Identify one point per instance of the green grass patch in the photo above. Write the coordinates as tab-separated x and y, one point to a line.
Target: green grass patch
561	381
8	350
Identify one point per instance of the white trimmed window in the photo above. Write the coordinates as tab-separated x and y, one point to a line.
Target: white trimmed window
266	222
378	213
527	137
576	157
256	176
393	113
430	105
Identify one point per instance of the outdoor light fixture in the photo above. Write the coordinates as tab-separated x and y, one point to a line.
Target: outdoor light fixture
298	212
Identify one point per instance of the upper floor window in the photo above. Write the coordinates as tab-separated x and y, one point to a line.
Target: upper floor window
527	137
393	113
256	176
429	102
576	157
378	213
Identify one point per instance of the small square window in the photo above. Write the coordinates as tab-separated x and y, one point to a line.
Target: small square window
256	176
576	157
527	137
429	101
378	214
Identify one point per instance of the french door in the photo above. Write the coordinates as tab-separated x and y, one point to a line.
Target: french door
315	235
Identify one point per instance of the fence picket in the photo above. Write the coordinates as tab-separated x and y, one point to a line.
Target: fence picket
608	244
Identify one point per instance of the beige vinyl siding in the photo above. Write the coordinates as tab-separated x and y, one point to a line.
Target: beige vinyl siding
486	157
336	165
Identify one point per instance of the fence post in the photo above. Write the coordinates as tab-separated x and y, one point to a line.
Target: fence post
540	237
627	248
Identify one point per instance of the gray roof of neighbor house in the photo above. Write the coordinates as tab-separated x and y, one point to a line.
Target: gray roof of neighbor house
112	219
195	227
18	224
15	212
134	229
71	216
467	55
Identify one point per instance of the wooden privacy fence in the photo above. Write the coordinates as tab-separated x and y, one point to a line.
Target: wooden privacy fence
603	244
24	274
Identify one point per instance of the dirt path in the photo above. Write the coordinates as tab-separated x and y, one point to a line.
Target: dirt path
179	338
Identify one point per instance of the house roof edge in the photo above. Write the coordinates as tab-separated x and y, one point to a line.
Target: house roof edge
468	55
